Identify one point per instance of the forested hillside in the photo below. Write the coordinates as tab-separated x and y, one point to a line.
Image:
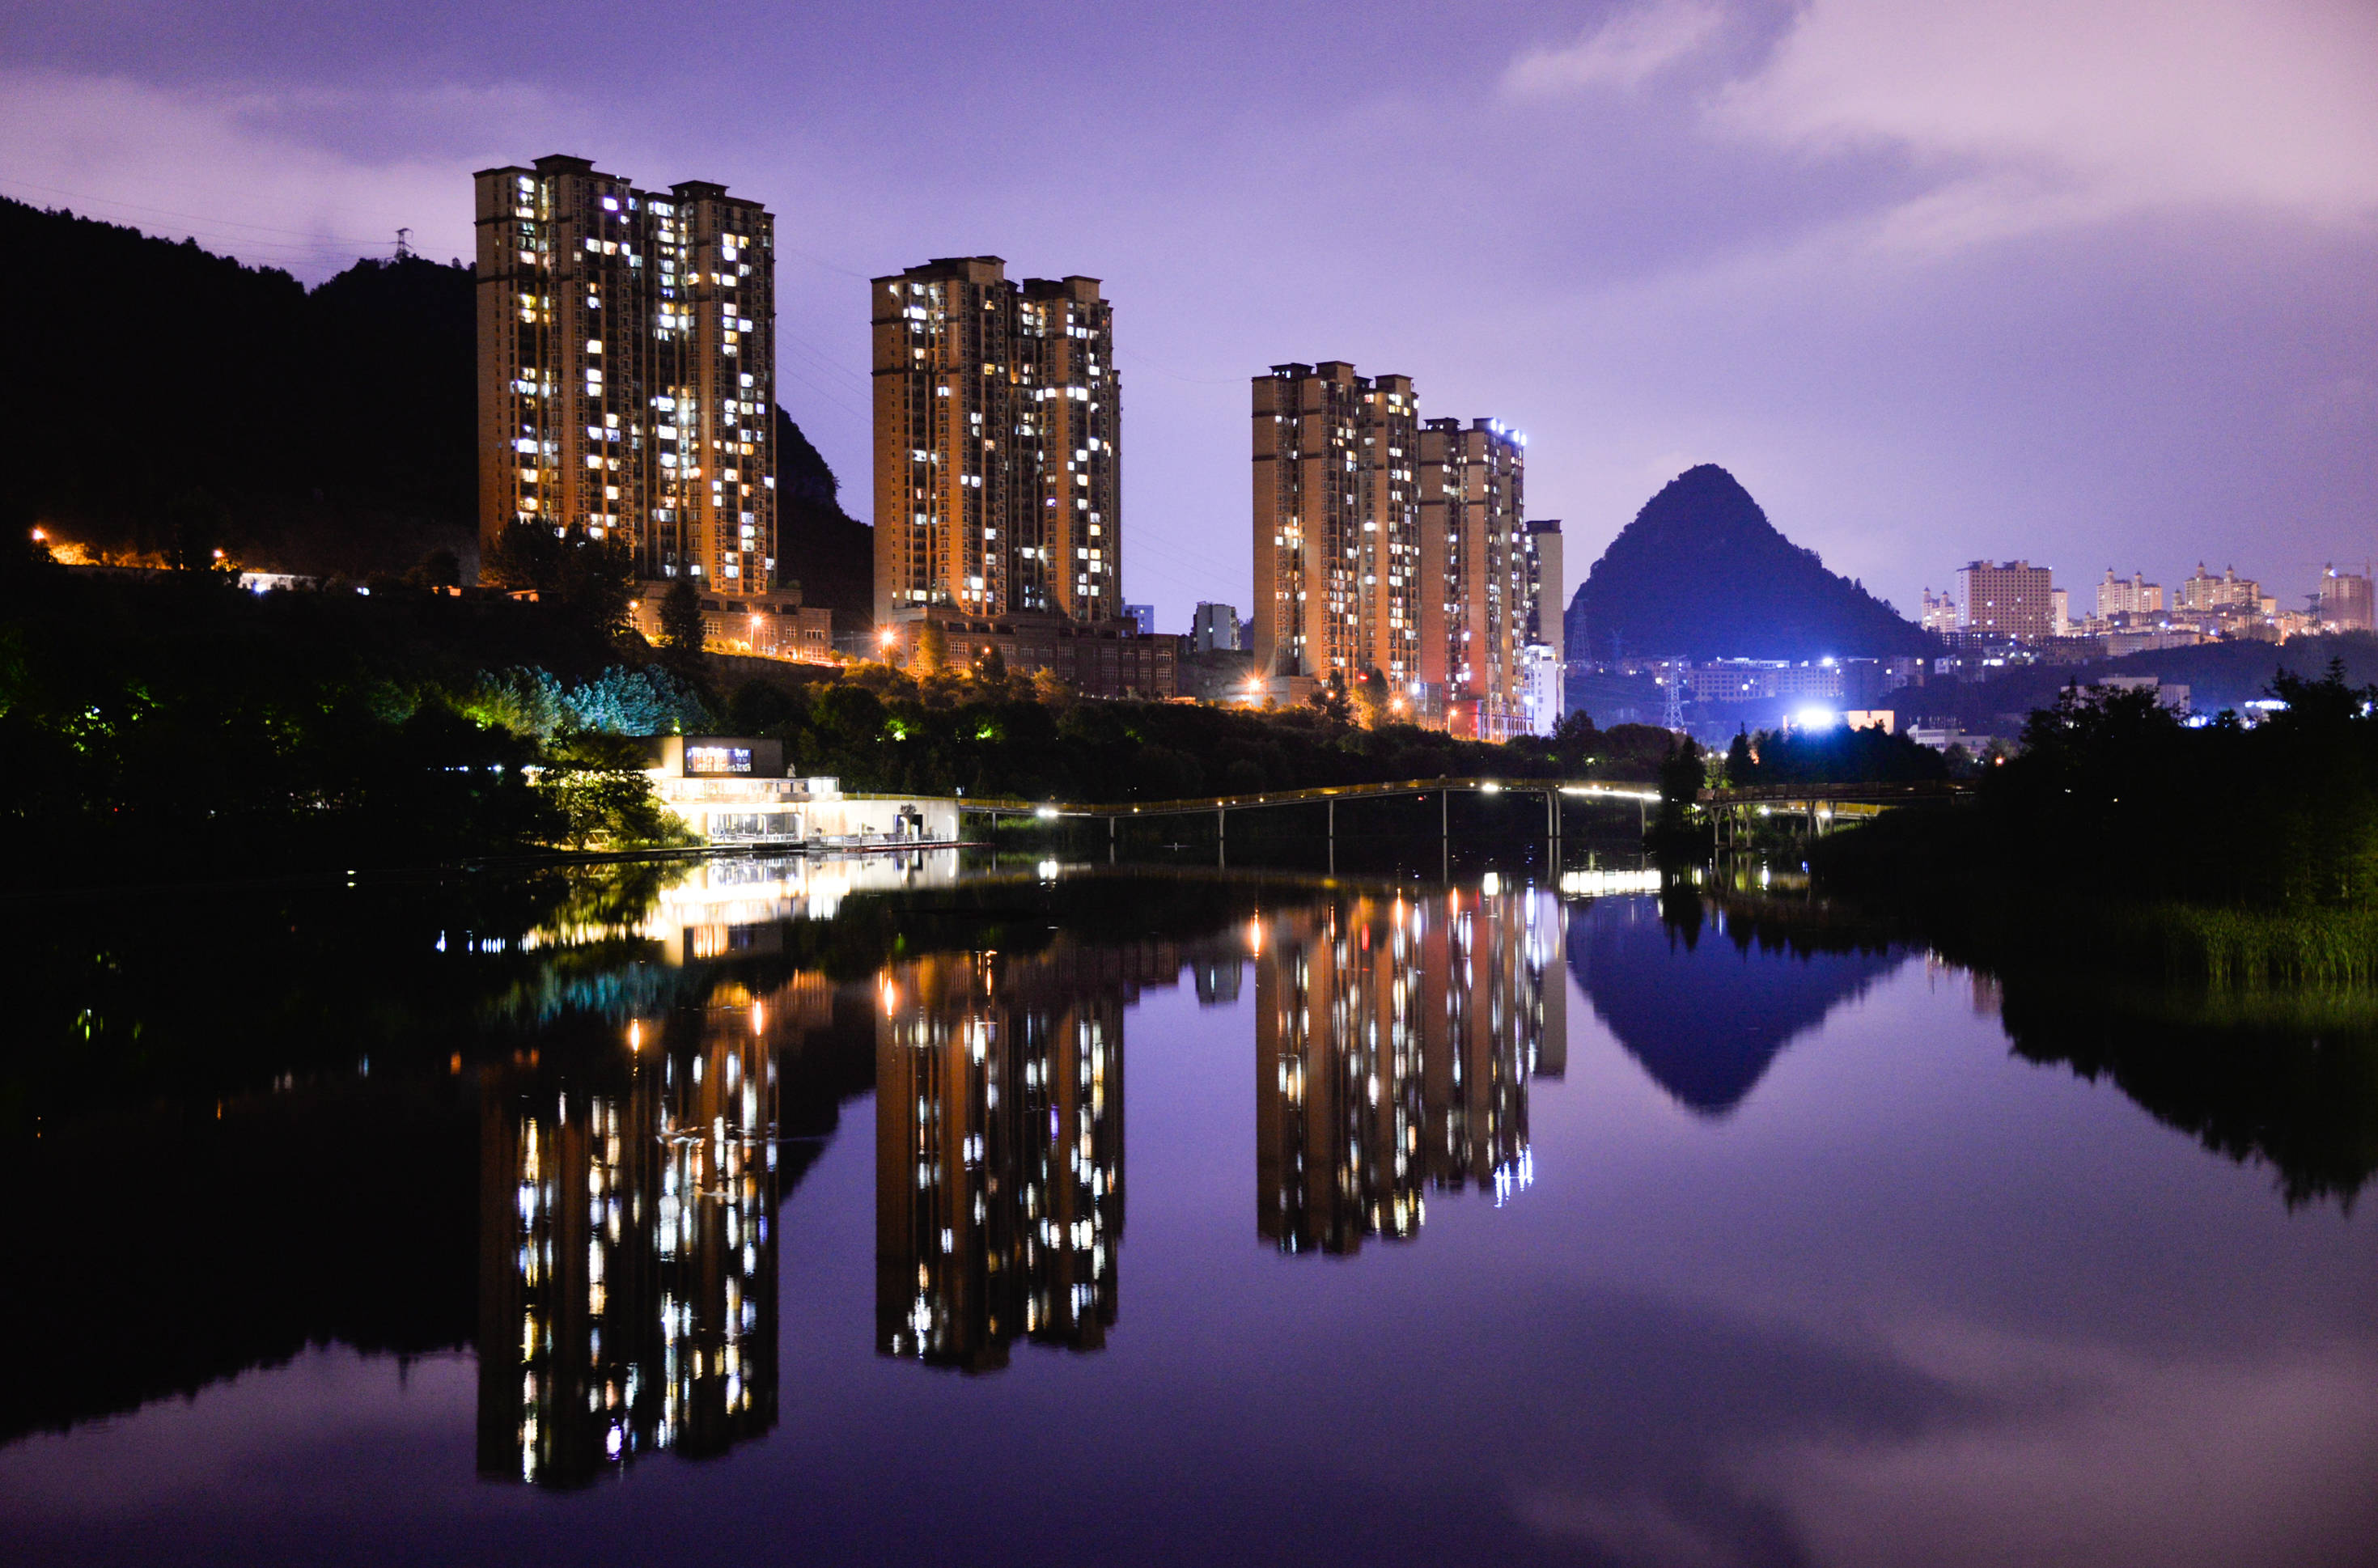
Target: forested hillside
162	401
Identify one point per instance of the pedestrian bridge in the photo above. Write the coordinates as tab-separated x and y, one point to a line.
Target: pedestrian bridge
1814	808
1553	794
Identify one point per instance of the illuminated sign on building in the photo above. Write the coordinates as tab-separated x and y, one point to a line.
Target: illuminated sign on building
717	759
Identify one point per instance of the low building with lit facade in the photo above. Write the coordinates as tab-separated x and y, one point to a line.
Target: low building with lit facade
774	625
626	367
736	790
1109	657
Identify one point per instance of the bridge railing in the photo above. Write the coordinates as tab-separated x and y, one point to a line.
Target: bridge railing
1574	788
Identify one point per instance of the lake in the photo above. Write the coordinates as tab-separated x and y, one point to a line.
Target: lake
898	1209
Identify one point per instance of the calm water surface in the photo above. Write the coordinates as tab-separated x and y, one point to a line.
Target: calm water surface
871	1212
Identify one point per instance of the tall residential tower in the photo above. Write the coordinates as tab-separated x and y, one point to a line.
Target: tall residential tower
1338	559
998	468
626	367
1388	543
1474	544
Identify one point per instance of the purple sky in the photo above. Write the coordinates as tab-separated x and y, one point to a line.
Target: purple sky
2092	282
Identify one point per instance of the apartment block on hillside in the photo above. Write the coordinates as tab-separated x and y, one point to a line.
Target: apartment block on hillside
626	367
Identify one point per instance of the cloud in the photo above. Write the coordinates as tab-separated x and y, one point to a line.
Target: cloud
1625	51
2047	113
260	176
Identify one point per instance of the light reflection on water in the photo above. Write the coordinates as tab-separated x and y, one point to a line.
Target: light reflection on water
1817	1250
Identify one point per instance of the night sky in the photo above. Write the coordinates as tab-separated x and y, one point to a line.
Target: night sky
2089	281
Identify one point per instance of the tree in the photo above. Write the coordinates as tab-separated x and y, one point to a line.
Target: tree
1682	777
1050	688
199	523
681	631
1372	694
1575	741
523	557
932	648
992	665
1329	697
1740	766
594	582
438	569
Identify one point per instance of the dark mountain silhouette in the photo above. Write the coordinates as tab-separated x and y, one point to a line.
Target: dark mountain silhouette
1703	1015
325	431
819	546
1701	573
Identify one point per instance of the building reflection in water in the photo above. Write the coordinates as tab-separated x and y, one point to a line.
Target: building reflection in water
628	1272
998	1148
1394	1042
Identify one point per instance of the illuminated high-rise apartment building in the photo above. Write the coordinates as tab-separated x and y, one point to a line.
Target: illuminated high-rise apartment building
1474	553
1339	581
998	460
627	368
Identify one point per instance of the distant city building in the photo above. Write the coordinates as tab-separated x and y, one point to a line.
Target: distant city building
2167	694
1214	628
1749	680
998	430
626	367
1474	549
2009	599
1143	616
1540	689
1940	612
2135	597
2151	640
2228	592
1337	579
2060	613
2345	601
